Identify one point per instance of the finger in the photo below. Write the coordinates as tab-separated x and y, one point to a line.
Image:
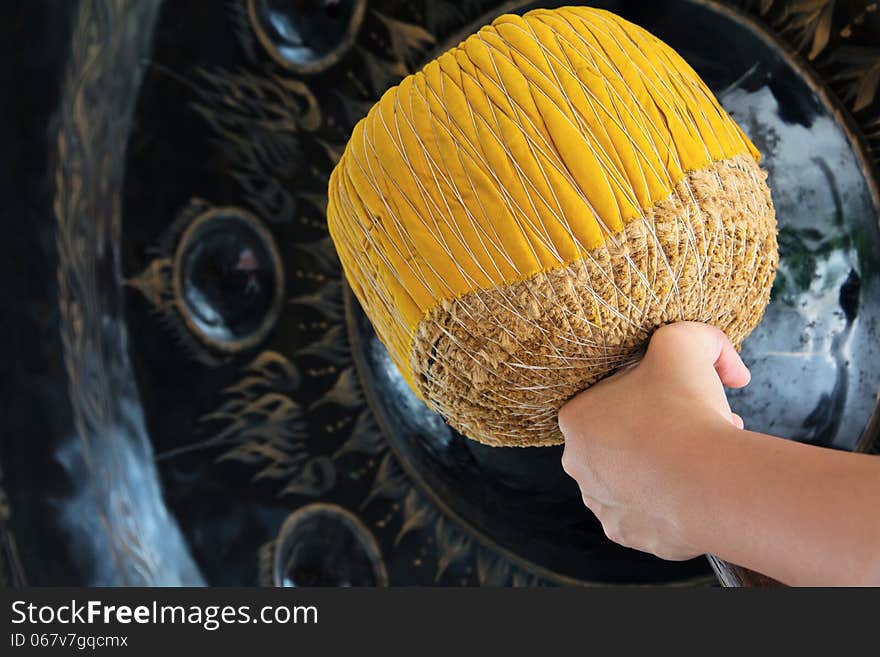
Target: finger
594	507
737	421
626	367
684	346
592	504
730	367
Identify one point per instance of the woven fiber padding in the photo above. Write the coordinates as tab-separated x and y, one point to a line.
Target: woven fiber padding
519	216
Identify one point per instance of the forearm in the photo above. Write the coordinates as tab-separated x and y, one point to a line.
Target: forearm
791	511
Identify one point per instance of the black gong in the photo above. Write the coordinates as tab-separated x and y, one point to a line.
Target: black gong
191	394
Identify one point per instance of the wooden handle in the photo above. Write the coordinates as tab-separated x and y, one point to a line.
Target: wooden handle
732	575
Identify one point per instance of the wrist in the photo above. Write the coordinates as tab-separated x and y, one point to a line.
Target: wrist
704	482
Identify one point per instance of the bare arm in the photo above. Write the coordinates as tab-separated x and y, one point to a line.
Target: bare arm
668	469
801	514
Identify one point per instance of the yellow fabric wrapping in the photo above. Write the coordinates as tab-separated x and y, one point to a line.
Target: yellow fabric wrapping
516	152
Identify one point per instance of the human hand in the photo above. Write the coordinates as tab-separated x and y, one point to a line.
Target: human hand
633	440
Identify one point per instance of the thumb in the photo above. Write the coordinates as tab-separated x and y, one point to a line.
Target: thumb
689	346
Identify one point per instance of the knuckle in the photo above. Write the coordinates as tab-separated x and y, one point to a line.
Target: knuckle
566	419
593	505
611	527
664	332
612	536
676	332
667	554
568	464
668	336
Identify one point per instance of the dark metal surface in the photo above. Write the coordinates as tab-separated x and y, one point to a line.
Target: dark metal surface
192	395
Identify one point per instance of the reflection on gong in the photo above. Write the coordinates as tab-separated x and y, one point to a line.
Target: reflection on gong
306	35
228	279
325	545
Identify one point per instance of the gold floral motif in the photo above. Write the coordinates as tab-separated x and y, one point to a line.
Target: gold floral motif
859	75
